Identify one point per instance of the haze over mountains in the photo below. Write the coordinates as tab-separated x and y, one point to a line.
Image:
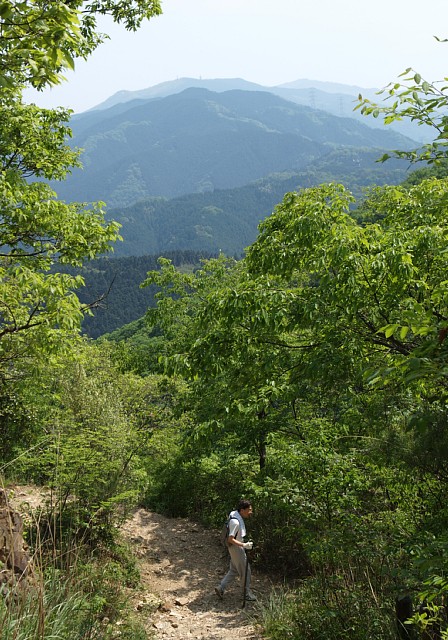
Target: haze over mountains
180	166
335	98
198	141
187	168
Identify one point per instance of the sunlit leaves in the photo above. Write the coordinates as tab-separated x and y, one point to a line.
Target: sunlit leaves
131	13
298	225
33	140
420	101
318	284
39	40
37	232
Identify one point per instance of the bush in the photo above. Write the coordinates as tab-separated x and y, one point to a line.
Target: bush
335	609
72	593
205	488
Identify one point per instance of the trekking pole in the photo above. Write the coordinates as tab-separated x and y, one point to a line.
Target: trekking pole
245	579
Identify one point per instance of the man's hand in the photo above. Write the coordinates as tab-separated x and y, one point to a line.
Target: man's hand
248	546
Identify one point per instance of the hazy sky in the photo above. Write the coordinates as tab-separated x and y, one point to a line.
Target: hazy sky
269	42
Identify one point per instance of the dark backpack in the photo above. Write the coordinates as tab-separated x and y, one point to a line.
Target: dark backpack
224	534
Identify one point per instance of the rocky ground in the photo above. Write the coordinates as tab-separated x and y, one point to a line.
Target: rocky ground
180	564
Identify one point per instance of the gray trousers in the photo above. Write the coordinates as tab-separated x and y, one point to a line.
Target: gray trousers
238	561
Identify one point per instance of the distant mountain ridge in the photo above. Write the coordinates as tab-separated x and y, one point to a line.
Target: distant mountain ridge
335	98
171	87
328	87
198	141
164	89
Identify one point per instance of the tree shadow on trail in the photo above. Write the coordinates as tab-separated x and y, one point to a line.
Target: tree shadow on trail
184	563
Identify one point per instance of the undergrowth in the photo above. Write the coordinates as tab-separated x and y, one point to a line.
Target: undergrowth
307	613
75	590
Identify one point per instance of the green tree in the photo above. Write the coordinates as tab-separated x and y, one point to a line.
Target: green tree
227	395
376	291
38	306
320	311
40	39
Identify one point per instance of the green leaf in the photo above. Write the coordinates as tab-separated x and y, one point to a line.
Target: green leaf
5	10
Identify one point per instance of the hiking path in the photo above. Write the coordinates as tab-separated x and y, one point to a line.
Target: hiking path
180	564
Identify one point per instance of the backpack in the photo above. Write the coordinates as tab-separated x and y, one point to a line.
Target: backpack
224	534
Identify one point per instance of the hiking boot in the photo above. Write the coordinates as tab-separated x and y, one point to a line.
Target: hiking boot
219	592
251	597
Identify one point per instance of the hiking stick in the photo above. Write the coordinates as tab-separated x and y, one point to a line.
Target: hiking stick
245	580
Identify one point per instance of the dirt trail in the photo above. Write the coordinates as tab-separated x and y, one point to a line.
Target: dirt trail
180	565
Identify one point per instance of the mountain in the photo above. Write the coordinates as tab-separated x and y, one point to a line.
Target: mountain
327	87
171	87
197	226
198	141
227	219
335	98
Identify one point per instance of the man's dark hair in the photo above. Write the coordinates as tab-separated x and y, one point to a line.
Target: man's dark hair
244	504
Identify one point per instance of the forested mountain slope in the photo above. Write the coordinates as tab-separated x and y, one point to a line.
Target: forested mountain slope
197	226
198	141
226	219
113	286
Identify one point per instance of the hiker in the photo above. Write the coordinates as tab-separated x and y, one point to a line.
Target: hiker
237	549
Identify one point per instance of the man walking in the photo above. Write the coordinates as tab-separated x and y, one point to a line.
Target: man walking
239	565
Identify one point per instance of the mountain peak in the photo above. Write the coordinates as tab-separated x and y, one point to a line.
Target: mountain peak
169	87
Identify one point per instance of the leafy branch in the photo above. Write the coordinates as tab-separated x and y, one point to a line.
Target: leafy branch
420	101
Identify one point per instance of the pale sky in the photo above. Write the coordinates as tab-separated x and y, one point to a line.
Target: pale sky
270	42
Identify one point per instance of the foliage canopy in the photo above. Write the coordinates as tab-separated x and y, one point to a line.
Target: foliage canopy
38	40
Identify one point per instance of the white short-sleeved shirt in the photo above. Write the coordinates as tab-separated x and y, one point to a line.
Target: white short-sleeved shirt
236	526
